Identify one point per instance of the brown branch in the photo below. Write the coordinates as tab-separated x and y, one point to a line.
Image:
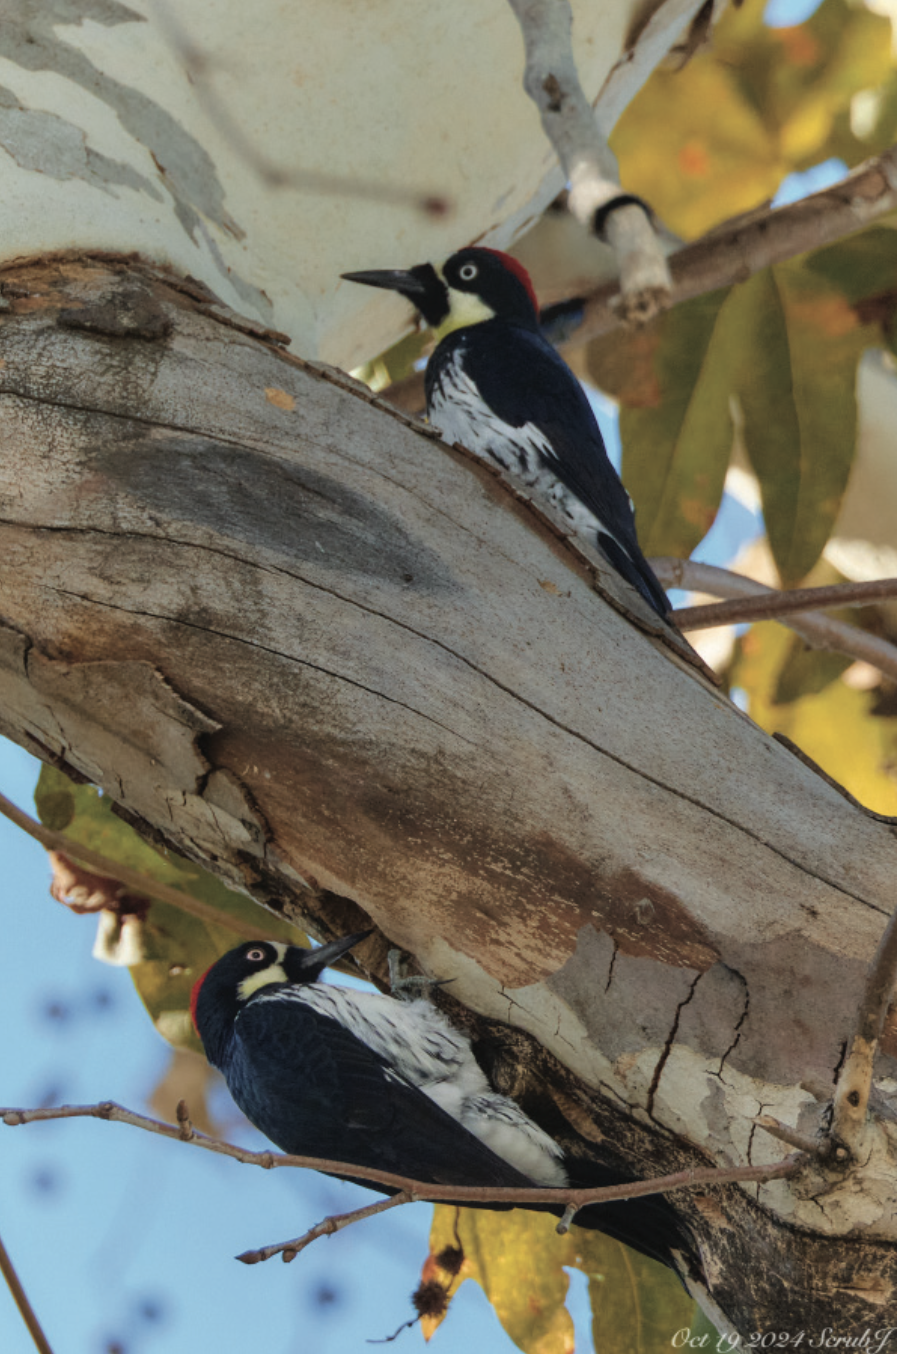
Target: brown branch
817	630
413	1190
767	606
20	1298
730	253
852	1092
327	1227
137	882
813	1147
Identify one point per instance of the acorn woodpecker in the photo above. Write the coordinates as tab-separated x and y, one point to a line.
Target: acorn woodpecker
495	385
388	1084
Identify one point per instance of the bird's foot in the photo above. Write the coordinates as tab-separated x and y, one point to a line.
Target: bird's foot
409	988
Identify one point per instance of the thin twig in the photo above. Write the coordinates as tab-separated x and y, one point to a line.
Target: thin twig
290	1249
415	1190
812	1146
20	1298
853	1087
551	80
767	606
137	882
817	630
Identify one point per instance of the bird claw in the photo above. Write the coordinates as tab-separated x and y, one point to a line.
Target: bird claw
408	989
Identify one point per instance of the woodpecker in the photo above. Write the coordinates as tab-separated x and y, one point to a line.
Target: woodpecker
388	1084
495	385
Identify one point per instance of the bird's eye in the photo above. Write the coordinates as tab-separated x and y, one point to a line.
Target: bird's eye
255	955
467	272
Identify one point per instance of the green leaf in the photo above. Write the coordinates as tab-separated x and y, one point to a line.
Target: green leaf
796	387
519	1261
177	947
673	381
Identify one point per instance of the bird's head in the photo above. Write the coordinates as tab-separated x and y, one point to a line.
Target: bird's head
473	285
218	995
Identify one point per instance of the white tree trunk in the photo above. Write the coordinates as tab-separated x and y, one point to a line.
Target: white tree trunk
348	669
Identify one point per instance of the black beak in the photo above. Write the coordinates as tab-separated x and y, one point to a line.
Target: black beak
334	949
422	286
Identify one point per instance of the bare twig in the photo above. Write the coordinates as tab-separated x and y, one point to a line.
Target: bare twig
290	1249
139	883
817	630
20	1298
411	1190
812	1146
551	80
853	1088
771	606
200	70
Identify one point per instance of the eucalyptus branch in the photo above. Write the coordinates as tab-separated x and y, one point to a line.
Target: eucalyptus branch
818	631
20	1298
773	605
551	80
853	1087
290	1249
133	879
410	1190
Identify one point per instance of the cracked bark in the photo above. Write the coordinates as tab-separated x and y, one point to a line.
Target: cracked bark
311	647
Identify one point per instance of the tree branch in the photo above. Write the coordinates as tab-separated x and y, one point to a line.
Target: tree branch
789	602
853	1087
20	1298
137	882
411	1191
551	80
817	630
327	1227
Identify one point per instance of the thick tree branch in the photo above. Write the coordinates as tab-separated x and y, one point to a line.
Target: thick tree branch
818	631
411	1191
135	881
551	80
20	1298
791	602
853	1087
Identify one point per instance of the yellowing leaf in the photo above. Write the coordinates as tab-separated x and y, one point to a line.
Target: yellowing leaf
519	1261
834	726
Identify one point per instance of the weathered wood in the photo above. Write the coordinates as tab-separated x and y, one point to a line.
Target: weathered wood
347	668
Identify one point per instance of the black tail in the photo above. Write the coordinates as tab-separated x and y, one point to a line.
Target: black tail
635	570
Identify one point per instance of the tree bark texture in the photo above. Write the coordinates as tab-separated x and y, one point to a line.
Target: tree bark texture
351	671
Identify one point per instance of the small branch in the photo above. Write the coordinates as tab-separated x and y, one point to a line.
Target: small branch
137	882
20	1298
737	249
410	1190
290	1249
770	606
817	630
813	1147
852	1092
551	80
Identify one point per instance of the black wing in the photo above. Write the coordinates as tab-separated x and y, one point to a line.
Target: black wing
314	1089
524	380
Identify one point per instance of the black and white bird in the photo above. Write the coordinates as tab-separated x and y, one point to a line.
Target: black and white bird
366	1079
496	385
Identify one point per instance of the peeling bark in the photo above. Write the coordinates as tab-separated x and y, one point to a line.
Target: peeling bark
358	676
